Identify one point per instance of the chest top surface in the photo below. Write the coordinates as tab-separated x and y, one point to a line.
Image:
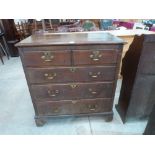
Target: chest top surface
70	39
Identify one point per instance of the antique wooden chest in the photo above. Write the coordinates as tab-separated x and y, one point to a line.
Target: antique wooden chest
71	73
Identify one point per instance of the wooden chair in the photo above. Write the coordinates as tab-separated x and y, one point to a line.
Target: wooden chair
40	26
71	26
1	57
10	37
89	25
3	50
23	30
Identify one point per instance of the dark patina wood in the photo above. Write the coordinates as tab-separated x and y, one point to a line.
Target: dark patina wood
71	73
72	91
138	85
46	58
94	57
150	127
74	107
70	39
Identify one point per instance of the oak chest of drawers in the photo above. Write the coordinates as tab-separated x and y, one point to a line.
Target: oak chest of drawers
71	73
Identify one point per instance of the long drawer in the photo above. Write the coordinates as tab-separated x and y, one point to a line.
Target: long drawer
74	107
72	91
46	58
71	74
94	57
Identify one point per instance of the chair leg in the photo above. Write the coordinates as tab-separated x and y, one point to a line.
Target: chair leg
6	46
1	58
4	51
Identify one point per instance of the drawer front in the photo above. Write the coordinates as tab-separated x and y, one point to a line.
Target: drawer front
71	74
74	107
53	92
47	58
94	57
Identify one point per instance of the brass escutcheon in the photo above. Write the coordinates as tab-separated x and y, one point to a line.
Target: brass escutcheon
73	69
53	93
73	86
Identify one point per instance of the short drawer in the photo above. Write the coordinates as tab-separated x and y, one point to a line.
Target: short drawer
94	57
74	107
46	58
71	74
72	91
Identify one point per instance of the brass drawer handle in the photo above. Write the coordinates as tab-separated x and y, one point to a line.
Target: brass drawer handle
92	107
47	57
95	56
74	102
53	93
94	75
92	92
50	76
